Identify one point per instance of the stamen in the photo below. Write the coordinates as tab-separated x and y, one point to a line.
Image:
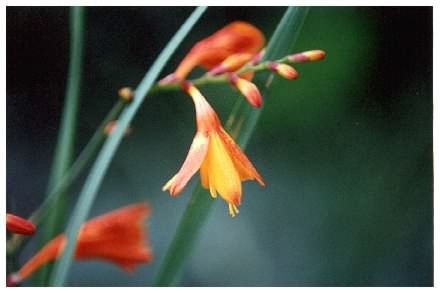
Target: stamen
233	210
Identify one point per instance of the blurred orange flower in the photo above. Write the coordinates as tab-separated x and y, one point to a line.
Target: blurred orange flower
238	37
16	224
222	163
117	236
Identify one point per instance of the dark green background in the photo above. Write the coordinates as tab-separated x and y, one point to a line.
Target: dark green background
346	150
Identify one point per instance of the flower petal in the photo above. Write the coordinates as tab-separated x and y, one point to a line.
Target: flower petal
244	167
223	177
232	63
196	154
236	37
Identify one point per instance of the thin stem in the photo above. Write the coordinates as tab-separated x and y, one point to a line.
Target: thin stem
216	79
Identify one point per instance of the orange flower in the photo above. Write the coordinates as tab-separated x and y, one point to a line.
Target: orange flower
222	163
236	37
117	236
19	225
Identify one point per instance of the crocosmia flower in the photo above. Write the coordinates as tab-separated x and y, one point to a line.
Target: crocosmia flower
117	236
19	225
222	163
237	37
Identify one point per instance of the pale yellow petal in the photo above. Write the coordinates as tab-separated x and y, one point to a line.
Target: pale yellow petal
196	155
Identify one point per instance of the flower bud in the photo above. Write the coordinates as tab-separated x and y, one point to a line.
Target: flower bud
126	94
308	56
19	225
247	89
284	70
232	63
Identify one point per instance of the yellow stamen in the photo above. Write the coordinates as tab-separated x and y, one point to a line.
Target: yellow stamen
233	210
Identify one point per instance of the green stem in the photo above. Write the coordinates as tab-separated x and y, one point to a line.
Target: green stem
69	177
240	124
100	167
65	144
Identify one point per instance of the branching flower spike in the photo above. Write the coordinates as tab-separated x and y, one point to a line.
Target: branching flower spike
222	163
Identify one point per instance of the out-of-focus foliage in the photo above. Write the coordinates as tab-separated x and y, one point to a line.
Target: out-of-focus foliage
346	150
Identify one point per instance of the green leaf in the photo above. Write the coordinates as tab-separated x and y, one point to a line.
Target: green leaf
240	124
64	149
99	168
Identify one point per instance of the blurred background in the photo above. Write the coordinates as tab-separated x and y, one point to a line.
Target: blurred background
346	150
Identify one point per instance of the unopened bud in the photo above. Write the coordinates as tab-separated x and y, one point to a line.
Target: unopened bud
247	89
308	56
232	63
284	70
126	94
19	225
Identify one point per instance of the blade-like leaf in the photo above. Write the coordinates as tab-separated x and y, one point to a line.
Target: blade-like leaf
64	149
96	175
240	124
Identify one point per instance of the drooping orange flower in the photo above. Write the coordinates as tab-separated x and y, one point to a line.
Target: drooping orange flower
222	163
238	37
16	224
117	236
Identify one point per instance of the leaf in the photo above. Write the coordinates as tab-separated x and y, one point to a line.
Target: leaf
240	124
99	168
66	136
